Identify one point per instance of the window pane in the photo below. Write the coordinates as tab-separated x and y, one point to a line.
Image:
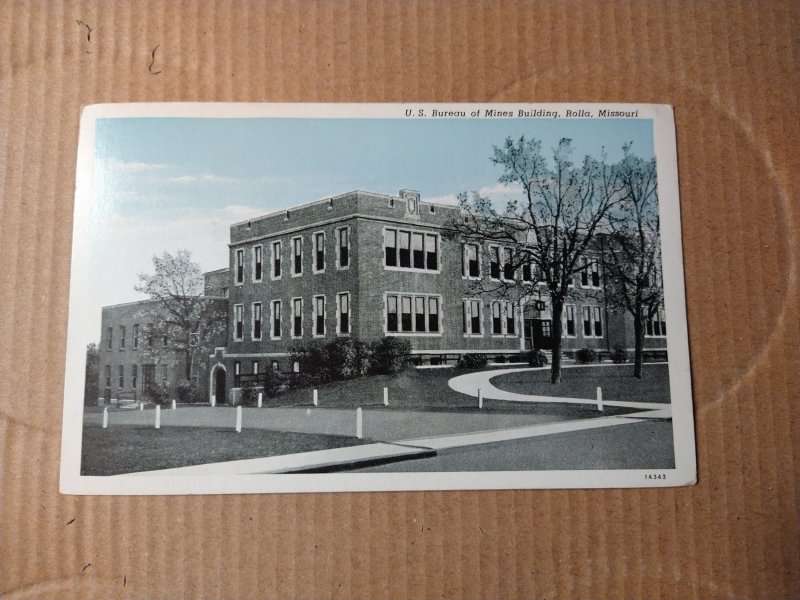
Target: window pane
475	310
391	313
431	252
495	263
390	236
433	314
587	322
419	313
510	322
496	323
405	245
405	302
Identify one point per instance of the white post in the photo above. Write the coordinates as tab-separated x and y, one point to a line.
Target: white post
141	404
386	396
359	423
213	401
260	399
316	397
480	398
158	416
239	419
173	404
105	418
599	398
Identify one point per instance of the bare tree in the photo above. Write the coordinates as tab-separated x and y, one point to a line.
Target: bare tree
182	321
633	253
550	229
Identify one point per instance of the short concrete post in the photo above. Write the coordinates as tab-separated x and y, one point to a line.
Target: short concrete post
386	396
480	398
141	404
213	401
239	419
316	397
158	416
359	423
260	399
105	418
599	398
173	405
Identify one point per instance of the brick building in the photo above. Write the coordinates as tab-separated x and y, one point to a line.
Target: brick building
136	351
368	265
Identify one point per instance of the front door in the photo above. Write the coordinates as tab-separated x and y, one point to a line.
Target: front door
542	334
219	386
148	380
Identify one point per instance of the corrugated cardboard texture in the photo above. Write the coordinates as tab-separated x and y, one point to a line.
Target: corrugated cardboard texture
730	70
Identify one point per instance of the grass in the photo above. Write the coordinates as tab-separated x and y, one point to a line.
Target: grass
133	448
617	382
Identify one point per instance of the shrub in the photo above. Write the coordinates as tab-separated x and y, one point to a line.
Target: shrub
313	363
249	395
389	355
187	392
585	355
272	382
619	355
158	392
346	358
535	358
472	361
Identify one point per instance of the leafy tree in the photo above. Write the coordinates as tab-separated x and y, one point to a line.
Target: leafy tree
90	386
562	208
633	253
183	321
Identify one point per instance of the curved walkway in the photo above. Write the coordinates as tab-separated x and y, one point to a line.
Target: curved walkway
470	384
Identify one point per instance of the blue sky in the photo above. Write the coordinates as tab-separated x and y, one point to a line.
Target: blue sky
168	183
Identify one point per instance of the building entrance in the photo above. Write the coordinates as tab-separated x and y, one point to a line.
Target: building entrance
542	333
220	385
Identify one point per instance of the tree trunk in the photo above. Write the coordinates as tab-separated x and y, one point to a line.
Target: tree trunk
638	334
555	368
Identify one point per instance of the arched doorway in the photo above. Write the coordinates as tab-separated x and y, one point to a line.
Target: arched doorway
218	388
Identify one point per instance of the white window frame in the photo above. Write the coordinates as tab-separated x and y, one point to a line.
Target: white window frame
410	231
272	304
590	266
294	256
121	380
292	334
253	270
592	308
500	316
499	250
510	305
426	314
123	331
238	317
510	251
314	316
564	331
314	251
272	275
339	331
254	367
338	248
239	253
472	302
661	316
253	321
465	261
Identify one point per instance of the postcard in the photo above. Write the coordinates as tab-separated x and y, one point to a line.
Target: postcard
367	297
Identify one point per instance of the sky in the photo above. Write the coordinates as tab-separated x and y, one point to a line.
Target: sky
163	184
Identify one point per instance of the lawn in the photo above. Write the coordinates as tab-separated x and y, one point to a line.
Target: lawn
132	448
617	382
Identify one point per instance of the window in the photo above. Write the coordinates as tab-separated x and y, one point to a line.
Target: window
433	314
471	267
257	263
319	252
508	264
494	262
255	367
149	335
590	273
411	250
239	266
343	310
656	326
274	365
390	247
297	317
419	313
136	336
134	375
418	250
276	260
569	320
527	272
391	313
511	320
110	335
121	376
256	332
164	334
472	317
297	254
343	245
276	319
108	375
122	335
237	373
592	323
319	316
405	313
238	321
497	321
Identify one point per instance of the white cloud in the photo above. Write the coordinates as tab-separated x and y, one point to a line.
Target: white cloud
140	166
205	178
499	193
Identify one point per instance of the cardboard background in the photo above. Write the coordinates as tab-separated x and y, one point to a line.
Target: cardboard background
730	70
